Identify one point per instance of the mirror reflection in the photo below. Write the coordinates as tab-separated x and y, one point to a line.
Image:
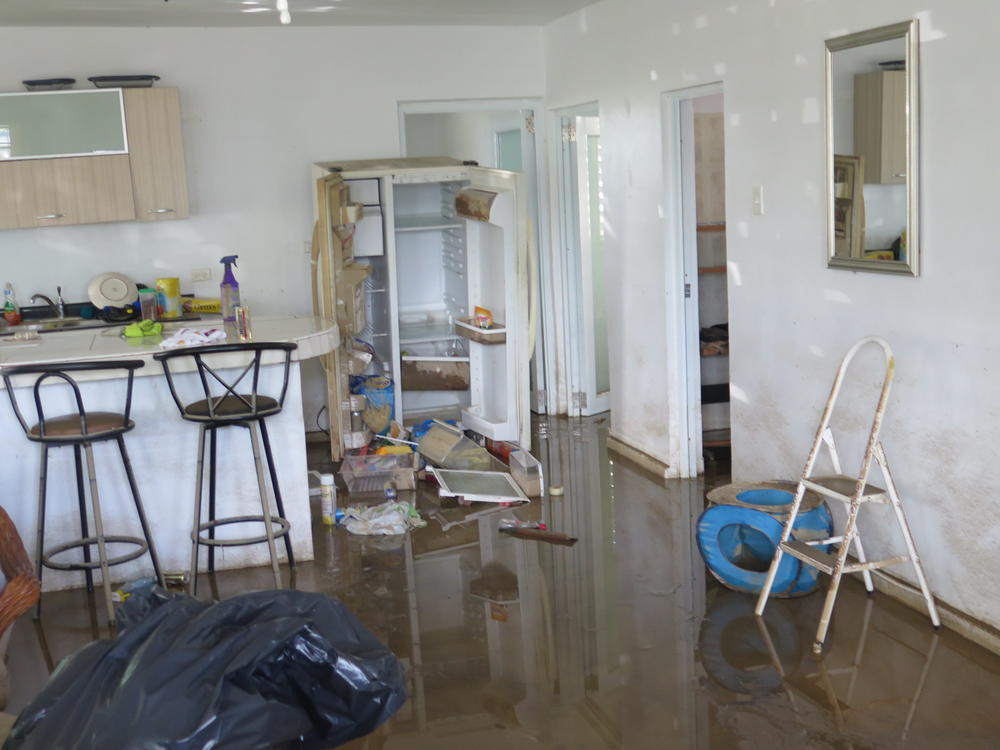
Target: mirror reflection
61	123
871	150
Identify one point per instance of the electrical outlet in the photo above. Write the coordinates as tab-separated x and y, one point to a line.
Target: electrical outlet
201	274
758	200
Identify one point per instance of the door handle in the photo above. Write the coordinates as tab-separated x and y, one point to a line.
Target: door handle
51	216
160	210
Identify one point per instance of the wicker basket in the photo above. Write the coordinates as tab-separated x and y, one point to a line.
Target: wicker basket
23	589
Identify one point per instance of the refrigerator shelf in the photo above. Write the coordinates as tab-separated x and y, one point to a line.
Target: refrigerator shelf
416	333
425	222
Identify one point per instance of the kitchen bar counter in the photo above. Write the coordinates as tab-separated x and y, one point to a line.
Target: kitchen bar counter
162	447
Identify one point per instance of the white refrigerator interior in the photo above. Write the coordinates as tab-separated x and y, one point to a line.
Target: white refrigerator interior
435	240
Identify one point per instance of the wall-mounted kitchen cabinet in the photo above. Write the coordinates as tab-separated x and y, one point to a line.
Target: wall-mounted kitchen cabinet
880	125
156	153
57	192
53	173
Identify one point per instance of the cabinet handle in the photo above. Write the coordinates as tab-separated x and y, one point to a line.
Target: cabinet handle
160	210
51	216
900	174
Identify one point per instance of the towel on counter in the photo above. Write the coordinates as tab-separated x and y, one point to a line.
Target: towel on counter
193	337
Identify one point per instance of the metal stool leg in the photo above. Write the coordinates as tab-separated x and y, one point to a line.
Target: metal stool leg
102	551
199	477
262	488
277	490
43	469
211	495
140	511
83	514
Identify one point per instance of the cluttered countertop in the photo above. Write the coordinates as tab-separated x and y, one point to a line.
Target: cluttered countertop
314	336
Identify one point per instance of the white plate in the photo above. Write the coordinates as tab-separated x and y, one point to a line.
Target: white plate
112	290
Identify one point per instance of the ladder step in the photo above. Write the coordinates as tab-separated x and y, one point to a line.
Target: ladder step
825	561
810	555
841	487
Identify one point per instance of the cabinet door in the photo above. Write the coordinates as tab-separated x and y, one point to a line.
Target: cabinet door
57	192
156	152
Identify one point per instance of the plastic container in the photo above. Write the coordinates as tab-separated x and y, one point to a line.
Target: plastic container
381	407
375	473
327	499
168	297
147	303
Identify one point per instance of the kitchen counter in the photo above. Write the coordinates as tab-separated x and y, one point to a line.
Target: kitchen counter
162	447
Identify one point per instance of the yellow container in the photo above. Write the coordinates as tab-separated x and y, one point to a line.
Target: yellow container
168	297
202	304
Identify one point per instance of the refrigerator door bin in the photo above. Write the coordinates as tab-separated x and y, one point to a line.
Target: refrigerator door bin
465	328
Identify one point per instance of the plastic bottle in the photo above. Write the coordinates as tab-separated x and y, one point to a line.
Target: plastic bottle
327	498
11	312
229	289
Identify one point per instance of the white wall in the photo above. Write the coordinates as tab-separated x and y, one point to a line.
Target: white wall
791	317
259	106
461	135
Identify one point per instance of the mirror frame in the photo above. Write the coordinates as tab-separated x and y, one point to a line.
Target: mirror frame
908	31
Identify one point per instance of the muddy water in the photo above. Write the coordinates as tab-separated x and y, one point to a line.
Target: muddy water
617	642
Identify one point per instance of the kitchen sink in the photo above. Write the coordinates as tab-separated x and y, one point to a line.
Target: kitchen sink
49	325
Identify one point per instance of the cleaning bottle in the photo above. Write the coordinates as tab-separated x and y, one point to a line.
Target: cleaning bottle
11	312
229	289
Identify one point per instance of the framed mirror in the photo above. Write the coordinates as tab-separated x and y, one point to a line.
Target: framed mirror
872	150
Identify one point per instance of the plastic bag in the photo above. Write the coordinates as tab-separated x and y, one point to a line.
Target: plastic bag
270	669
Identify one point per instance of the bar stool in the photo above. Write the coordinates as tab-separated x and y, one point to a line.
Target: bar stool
81	429
231	408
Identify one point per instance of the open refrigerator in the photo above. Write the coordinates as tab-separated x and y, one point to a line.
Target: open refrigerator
404	250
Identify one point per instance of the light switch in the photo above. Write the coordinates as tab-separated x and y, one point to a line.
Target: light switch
758	200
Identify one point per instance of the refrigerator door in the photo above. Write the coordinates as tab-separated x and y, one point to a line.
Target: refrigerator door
335	282
493	206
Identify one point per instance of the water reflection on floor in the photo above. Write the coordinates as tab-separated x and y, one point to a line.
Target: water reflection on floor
616	642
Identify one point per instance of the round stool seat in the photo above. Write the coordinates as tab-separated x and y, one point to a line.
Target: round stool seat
231	409
101	425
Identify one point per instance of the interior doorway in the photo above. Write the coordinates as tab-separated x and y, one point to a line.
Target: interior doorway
581	237
695	148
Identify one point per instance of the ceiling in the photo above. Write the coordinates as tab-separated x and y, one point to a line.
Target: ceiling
304	12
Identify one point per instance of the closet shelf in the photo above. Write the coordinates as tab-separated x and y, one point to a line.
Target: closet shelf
425	223
716	438
712	269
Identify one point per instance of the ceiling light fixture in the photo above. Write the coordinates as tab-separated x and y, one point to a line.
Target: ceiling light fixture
283	15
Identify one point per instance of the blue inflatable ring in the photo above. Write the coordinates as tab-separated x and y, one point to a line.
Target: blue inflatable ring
730	534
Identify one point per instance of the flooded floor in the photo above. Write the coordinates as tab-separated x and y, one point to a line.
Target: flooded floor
620	641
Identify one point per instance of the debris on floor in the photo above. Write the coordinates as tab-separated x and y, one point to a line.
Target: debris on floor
389	518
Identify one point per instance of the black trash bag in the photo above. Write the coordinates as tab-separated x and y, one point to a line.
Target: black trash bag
271	669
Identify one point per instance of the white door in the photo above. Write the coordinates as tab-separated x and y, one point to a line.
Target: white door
494	208
582	233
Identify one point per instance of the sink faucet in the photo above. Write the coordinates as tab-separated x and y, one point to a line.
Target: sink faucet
59	310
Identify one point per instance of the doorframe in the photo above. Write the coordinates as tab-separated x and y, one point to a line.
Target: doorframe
542	358
680	241
566	291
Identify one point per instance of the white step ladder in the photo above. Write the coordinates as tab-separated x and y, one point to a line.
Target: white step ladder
854	492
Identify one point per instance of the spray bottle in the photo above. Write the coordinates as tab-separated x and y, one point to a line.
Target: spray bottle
229	289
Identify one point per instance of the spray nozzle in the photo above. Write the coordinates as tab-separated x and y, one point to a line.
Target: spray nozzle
229	259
